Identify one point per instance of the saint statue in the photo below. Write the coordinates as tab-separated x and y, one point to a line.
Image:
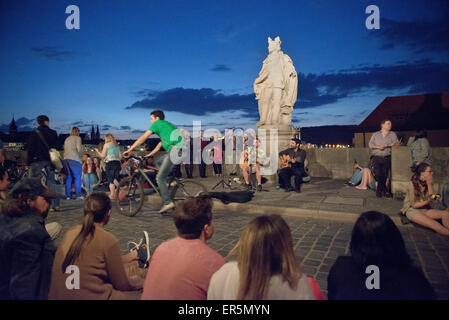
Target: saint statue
276	88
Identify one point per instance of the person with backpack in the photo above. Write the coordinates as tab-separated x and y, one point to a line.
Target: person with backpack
38	158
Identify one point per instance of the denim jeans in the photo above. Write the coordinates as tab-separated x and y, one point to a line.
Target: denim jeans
356	177
74	171
36	171
89	179
164	166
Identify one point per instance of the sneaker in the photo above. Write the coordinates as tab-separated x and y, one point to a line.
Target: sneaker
259	187
80	198
167	207
288	189
143	251
68	198
133	245
248	187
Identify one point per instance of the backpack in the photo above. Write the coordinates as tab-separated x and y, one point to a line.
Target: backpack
234	196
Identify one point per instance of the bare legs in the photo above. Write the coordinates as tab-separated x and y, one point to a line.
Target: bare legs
112	187
428	220
367	177
245	171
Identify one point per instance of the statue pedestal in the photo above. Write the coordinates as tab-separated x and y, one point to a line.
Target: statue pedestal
274	139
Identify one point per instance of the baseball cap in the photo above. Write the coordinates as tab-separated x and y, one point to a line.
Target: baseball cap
31	187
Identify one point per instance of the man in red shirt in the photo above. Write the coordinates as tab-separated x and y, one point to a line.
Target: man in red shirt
181	268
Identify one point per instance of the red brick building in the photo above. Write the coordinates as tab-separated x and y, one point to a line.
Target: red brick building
409	114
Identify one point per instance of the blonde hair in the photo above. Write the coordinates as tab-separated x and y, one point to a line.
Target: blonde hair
75	131
265	248
110	138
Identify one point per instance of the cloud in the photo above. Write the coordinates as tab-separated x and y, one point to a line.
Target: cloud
417	77
23	124
220	68
314	90
197	101
227	33
53	53
419	36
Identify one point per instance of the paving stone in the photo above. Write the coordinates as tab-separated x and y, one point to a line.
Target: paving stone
317	255
312	236
310	262
325	268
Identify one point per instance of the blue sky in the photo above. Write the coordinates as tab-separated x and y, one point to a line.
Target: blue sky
197	60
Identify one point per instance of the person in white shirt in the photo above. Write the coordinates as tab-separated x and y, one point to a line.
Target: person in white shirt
262	266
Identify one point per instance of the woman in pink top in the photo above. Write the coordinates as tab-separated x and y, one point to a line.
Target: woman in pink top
218	156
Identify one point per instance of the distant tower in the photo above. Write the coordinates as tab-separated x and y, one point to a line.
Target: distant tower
97	135
92	134
13	127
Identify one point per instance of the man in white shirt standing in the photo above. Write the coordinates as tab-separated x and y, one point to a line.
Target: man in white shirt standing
380	144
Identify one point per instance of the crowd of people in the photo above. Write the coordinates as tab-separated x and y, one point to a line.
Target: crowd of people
262	264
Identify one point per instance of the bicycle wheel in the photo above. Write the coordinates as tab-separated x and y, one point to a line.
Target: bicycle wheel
130	196
187	188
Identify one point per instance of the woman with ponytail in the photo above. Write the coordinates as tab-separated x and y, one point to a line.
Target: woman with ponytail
417	202
88	263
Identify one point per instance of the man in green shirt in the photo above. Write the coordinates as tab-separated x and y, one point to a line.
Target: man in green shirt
171	141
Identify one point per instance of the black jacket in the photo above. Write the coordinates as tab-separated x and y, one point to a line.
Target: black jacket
346	281
26	257
37	151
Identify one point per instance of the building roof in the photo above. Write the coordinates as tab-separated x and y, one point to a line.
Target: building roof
414	112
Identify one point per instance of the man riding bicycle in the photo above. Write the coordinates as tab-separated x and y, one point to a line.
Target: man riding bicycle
170	137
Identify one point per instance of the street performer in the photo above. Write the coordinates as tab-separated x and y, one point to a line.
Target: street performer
292	164
251	160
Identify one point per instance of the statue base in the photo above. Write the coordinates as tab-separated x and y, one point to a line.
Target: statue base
273	140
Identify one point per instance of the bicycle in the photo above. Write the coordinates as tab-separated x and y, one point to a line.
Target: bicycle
130	194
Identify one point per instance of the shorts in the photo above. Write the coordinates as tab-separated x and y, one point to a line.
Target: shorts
412	211
113	171
372	185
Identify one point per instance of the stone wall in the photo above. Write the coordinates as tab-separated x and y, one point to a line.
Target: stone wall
339	164
401	162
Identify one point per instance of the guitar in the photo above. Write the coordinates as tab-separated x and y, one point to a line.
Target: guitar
245	160
285	161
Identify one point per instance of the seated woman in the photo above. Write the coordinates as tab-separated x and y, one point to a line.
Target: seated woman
377	243
99	170
368	180
105	273
417	202
89	175
262	266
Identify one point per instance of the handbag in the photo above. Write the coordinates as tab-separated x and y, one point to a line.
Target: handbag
55	156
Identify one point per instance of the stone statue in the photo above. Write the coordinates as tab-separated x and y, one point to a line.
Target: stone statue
277	87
